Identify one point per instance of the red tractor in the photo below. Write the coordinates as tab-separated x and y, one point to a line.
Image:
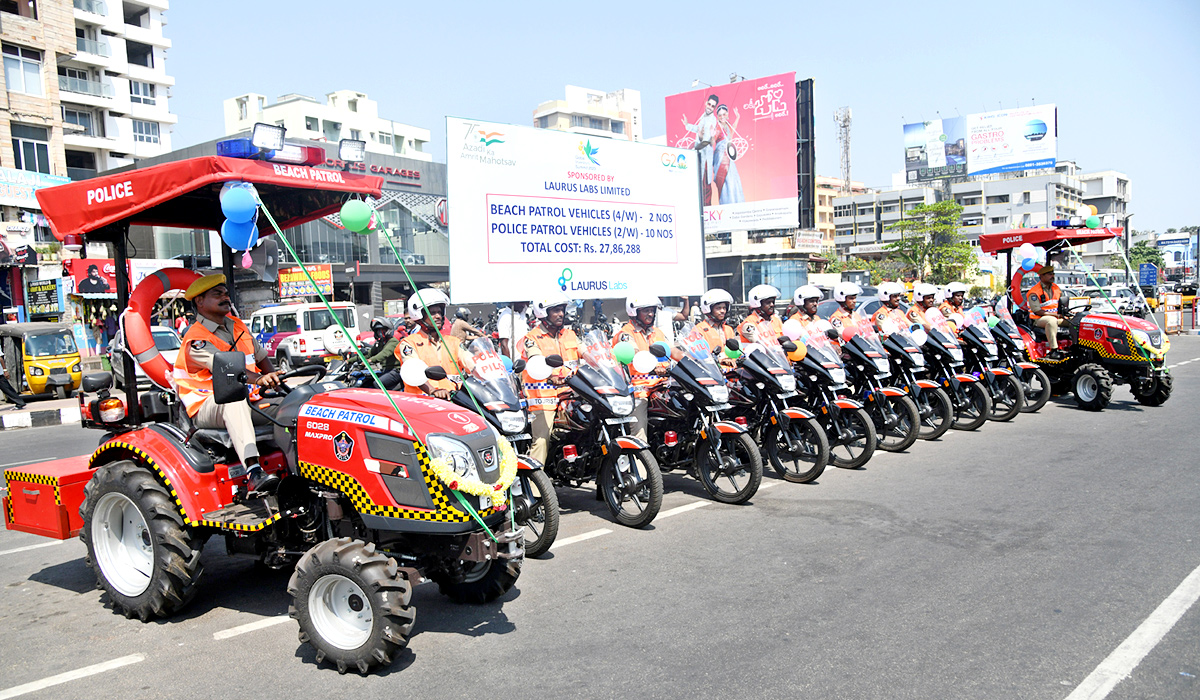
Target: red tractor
370	503
1098	349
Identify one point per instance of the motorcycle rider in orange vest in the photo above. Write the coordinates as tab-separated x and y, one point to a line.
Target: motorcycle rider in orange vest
955	293
846	295
805	299
641	331
428	308
924	296
889	307
549	337
761	301
217	330
715	306
1045	308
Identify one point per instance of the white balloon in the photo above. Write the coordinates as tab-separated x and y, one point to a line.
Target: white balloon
957	319
751	347
1027	251
413	371
644	361
537	368
792	329
919	336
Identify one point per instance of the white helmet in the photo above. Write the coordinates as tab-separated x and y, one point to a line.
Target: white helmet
922	290
887	289
845	289
541	306
808	291
954	288
424	298
632	304
760	293
714	296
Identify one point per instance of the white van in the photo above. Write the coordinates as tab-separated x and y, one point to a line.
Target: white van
297	335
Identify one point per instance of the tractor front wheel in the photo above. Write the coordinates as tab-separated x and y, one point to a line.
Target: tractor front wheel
1092	386
1157	391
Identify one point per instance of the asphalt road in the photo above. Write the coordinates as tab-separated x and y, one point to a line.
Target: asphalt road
1005	563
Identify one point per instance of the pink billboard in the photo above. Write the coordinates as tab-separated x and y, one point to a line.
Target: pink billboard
745	133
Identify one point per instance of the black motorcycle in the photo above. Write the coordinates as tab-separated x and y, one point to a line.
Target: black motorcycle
762	397
903	346
897	419
590	441
944	355
982	360
687	430
1034	382
848	427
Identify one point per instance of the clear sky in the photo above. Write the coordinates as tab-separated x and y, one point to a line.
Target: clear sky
1125	75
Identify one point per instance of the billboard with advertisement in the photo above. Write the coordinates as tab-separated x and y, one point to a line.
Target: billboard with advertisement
745	133
1007	140
293	282
17	187
92	276
538	211
44	298
16	244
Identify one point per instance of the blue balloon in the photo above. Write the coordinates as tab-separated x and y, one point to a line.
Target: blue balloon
239	236
507	362
238	205
1027	264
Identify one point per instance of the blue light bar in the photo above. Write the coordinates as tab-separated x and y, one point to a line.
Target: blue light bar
236	148
1061	223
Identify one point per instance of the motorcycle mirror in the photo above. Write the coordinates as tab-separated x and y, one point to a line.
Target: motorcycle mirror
733	344
554	360
832	334
658	351
229	377
519	366
787	345
435	373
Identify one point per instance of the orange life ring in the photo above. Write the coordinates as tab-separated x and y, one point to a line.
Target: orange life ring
1014	286
139	341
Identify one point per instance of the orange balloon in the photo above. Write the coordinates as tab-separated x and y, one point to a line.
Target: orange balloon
1095	211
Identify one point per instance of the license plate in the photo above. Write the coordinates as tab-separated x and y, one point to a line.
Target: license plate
616	421
519	436
485	502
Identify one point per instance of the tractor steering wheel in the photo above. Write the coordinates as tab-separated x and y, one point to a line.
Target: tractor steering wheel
318	372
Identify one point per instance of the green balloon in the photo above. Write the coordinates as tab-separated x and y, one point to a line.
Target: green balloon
356	215
624	352
1092	222
731	353
993	321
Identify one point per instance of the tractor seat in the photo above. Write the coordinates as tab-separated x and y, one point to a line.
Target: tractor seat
218	443
1039	333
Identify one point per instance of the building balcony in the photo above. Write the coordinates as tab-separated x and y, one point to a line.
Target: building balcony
92	7
145	35
84	87
89	46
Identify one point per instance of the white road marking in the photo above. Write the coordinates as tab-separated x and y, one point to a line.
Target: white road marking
70	676
32	546
768	485
250	627
1126	657
580	538
683	509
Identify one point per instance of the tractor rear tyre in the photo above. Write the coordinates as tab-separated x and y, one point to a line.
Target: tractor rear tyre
483	581
144	556
352	604
1157	392
1092	386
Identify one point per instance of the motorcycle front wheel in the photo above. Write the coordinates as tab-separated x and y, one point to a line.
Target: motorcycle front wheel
855	447
1007	398
936	411
803	458
897	423
1036	386
539	514
972	407
734	473
631	485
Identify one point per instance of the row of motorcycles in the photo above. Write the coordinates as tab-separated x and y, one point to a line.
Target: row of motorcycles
822	397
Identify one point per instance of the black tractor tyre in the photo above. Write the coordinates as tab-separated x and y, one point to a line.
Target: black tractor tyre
483	581
863	426
979	401
169	550
1008	389
1092	386
901	436
1037	390
651	488
936	411
335	585
737	446
798	467
1158	393
543	512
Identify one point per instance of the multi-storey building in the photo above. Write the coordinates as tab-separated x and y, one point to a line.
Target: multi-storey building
827	189
616	115
345	114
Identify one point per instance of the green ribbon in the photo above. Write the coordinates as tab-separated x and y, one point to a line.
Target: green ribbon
473	513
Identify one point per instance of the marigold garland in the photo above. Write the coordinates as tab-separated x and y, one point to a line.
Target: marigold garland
508	472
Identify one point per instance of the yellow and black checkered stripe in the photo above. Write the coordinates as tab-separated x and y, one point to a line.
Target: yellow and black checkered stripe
443	511
1129	341
41	479
166	482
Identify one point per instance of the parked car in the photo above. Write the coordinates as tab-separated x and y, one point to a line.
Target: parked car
297	334
165	339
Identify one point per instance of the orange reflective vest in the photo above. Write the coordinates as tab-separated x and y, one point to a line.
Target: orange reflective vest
896	315
420	345
748	329
544	395
1049	301
803	319
916	314
714	335
642	383
194	381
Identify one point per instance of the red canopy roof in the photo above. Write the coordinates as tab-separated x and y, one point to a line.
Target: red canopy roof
186	194
1007	240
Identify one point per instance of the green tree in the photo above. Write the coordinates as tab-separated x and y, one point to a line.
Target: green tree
930	244
1143	252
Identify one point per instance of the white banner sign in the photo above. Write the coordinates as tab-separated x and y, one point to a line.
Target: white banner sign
537	211
1012	139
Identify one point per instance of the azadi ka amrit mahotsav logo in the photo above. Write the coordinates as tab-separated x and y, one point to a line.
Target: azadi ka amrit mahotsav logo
487	138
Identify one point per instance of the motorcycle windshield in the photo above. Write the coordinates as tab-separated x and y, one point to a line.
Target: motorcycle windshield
862	326
488	372
768	343
937	321
692	342
889	327
597	362
976	317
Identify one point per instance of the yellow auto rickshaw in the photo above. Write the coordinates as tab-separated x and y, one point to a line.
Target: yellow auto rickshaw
41	358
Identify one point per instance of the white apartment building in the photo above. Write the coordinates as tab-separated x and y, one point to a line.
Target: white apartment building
345	114
614	115
114	89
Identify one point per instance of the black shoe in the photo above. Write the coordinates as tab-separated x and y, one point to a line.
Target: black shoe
1056	354
259	481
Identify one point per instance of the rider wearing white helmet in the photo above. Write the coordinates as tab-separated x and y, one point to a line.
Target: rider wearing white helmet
806	299
924	298
890	294
954	294
714	304
846	295
549	337
641	331
428	308
761	301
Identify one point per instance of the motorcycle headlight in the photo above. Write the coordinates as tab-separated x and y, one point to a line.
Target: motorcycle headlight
720	394
511	421
788	382
457	455
621	405
838	375
917	358
882	364
956	353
